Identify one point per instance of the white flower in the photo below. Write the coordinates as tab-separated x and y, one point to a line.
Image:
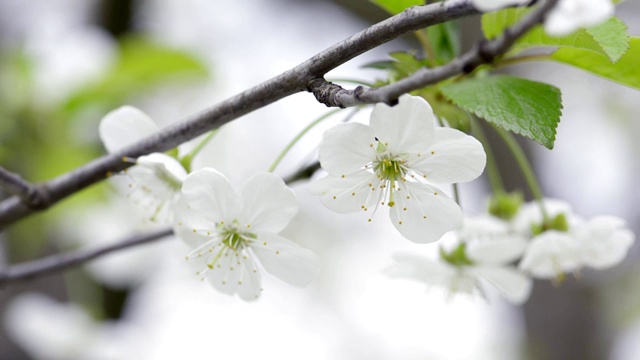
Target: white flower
389	163
491	5
155	182
230	230
600	243
530	217
484	249
571	15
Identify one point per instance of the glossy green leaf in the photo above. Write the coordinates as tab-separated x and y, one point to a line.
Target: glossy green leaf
625	71
525	107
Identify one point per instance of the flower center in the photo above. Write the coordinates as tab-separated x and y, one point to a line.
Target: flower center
233	238
457	256
390	168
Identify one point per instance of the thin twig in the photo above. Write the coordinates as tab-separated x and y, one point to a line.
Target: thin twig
292	81
484	52
53	263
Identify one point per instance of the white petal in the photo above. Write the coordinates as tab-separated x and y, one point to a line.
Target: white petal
454	157
498	250
154	186
512	284
483	225
286	260
422	213
405	128
235	272
491	5
251	283
605	241
207	190
124	126
167	168
422	269
191	226
530	213
349	194
226	275
489	240
346	148
268	204
551	254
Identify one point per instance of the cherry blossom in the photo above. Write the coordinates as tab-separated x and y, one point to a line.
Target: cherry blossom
600	243
154	183
234	231
482	253
393	162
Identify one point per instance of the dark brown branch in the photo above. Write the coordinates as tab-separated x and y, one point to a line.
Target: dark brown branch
288	83
53	263
483	52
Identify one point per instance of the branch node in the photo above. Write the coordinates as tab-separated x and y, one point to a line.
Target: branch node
325	92
38	198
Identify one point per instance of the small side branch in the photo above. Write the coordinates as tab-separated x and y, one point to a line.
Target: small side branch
484	52
30	194
53	263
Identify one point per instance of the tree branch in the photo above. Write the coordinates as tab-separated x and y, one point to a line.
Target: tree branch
50	264
484	52
292	81
14	184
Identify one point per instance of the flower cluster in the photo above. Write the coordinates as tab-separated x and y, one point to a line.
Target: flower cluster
566	17
545	245
231	231
393	162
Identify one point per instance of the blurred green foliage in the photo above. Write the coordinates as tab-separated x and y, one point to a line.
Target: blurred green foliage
40	140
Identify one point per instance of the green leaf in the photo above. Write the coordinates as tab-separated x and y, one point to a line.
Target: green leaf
402	65
625	71
612	37
396	6
525	107
609	39
445	40
143	64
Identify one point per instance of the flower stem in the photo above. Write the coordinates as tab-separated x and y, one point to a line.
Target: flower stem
495	180
185	161
426	46
298	137
525	167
